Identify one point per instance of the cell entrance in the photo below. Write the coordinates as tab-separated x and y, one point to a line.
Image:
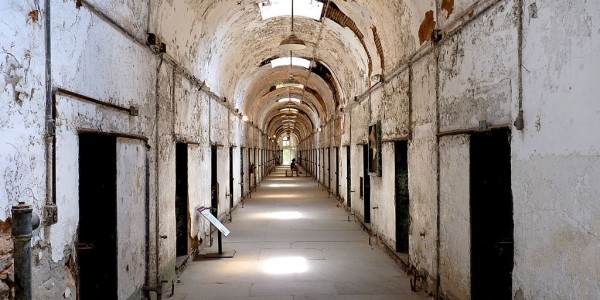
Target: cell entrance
97	234
366	184
181	199
231	177
348	178
401	196
214	184
491	216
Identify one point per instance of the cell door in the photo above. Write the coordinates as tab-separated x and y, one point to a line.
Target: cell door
181	199
491	216
214	184
348	178
242	170
337	171
97	233
366	184
329	168
230	177
401	196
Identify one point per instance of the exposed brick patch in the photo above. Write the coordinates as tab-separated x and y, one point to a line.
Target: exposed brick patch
336	15
448	6
427	27
379	48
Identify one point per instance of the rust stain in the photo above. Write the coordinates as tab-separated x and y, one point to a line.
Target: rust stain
34	15
448	5
471	13
78	4
427	27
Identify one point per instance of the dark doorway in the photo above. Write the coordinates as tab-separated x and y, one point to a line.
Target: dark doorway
366	184
348	178
491	216
402	196
231	177
337	171
214	184
250	165
329	168
97	245
242	171
181	199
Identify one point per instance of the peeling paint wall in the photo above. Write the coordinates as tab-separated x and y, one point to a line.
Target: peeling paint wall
556	158
455	231
131	233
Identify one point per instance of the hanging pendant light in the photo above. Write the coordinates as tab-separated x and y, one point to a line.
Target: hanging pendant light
292	43
292	83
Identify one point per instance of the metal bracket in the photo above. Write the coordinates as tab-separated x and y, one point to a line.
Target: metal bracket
50	214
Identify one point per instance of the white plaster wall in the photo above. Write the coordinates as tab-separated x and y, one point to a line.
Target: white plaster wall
394	117
478	81
556	158
423	169
131	217
22	162
237	188
455	229
82	65
129	14
383	193
223	178
218	123
189	110
199	187
165	169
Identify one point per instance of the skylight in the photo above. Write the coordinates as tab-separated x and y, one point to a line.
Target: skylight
296	100
281	85
289	110
305	8
285	61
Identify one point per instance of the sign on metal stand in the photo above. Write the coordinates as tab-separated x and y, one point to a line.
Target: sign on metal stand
205	211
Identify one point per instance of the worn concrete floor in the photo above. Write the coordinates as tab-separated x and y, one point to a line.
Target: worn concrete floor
293	242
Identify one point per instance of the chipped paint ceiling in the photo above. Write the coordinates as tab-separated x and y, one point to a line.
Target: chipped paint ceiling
228	45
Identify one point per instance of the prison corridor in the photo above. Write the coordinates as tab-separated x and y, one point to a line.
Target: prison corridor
293	241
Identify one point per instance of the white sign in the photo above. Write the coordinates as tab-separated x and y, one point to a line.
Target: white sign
206	213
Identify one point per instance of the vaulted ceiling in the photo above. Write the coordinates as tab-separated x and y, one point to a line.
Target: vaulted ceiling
228	45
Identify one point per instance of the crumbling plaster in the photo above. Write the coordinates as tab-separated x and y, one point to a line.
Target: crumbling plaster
455	228
555	159
22	162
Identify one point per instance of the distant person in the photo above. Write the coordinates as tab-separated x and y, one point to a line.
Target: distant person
294	167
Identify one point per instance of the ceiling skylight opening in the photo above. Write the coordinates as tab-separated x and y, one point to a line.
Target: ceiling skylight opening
276	8
281	85
285	61
295	100
289	110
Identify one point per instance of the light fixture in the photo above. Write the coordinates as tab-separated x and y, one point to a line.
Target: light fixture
292	43
292	83
245	118
289	109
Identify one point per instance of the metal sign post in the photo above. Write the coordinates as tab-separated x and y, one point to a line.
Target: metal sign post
221	229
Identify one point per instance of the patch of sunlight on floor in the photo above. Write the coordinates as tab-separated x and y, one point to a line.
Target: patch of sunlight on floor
285	265
278	215
276	185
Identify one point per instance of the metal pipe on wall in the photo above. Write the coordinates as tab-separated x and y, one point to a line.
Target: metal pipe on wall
23	223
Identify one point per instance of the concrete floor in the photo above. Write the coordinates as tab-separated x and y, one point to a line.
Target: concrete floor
293	242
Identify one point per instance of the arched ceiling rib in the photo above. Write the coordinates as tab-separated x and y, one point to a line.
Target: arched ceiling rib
228	45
